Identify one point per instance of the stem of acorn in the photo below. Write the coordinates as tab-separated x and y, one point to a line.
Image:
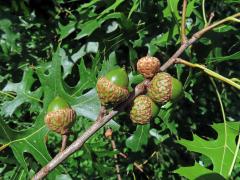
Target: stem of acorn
64	142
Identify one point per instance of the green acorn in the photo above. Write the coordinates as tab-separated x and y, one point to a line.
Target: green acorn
60	116
143	110
112	88
164	87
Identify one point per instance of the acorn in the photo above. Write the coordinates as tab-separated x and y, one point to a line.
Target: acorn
60	116
143	110
163	87
148	66
112	88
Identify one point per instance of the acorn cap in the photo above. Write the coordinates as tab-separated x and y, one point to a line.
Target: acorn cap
164	87
60	116
109	93
60	120
148	66
143	110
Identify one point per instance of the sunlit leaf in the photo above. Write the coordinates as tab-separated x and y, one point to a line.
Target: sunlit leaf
221	151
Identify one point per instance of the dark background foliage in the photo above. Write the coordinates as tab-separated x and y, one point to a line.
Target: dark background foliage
74	42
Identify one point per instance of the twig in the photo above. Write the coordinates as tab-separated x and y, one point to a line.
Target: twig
194	38
116	158
77	144
108	134
208	28
209	72
210	18
139	167
183	23
101	113
146	161
204	13
123	155
236	80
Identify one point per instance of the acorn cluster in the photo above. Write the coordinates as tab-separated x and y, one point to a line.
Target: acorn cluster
113	89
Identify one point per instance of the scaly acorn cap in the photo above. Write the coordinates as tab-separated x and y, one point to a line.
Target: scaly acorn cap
60	116
143	110
112	88
163	87
148	66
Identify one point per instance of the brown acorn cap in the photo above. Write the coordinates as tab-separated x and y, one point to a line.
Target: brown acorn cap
148	66
141	112
109	93
160	88
60	120
164	87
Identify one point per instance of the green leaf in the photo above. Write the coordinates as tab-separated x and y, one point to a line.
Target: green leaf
17	173
89	106
235	56
190	7
224	28
66	64
220	151
189	96
139	138
89	47
87	5
165	115
63	177
8	40
231	1
192	172
65	31
134	79
23	94
29	141
136	4
158	138
87	28
162	39
112	7
171	9
108	64
88	79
